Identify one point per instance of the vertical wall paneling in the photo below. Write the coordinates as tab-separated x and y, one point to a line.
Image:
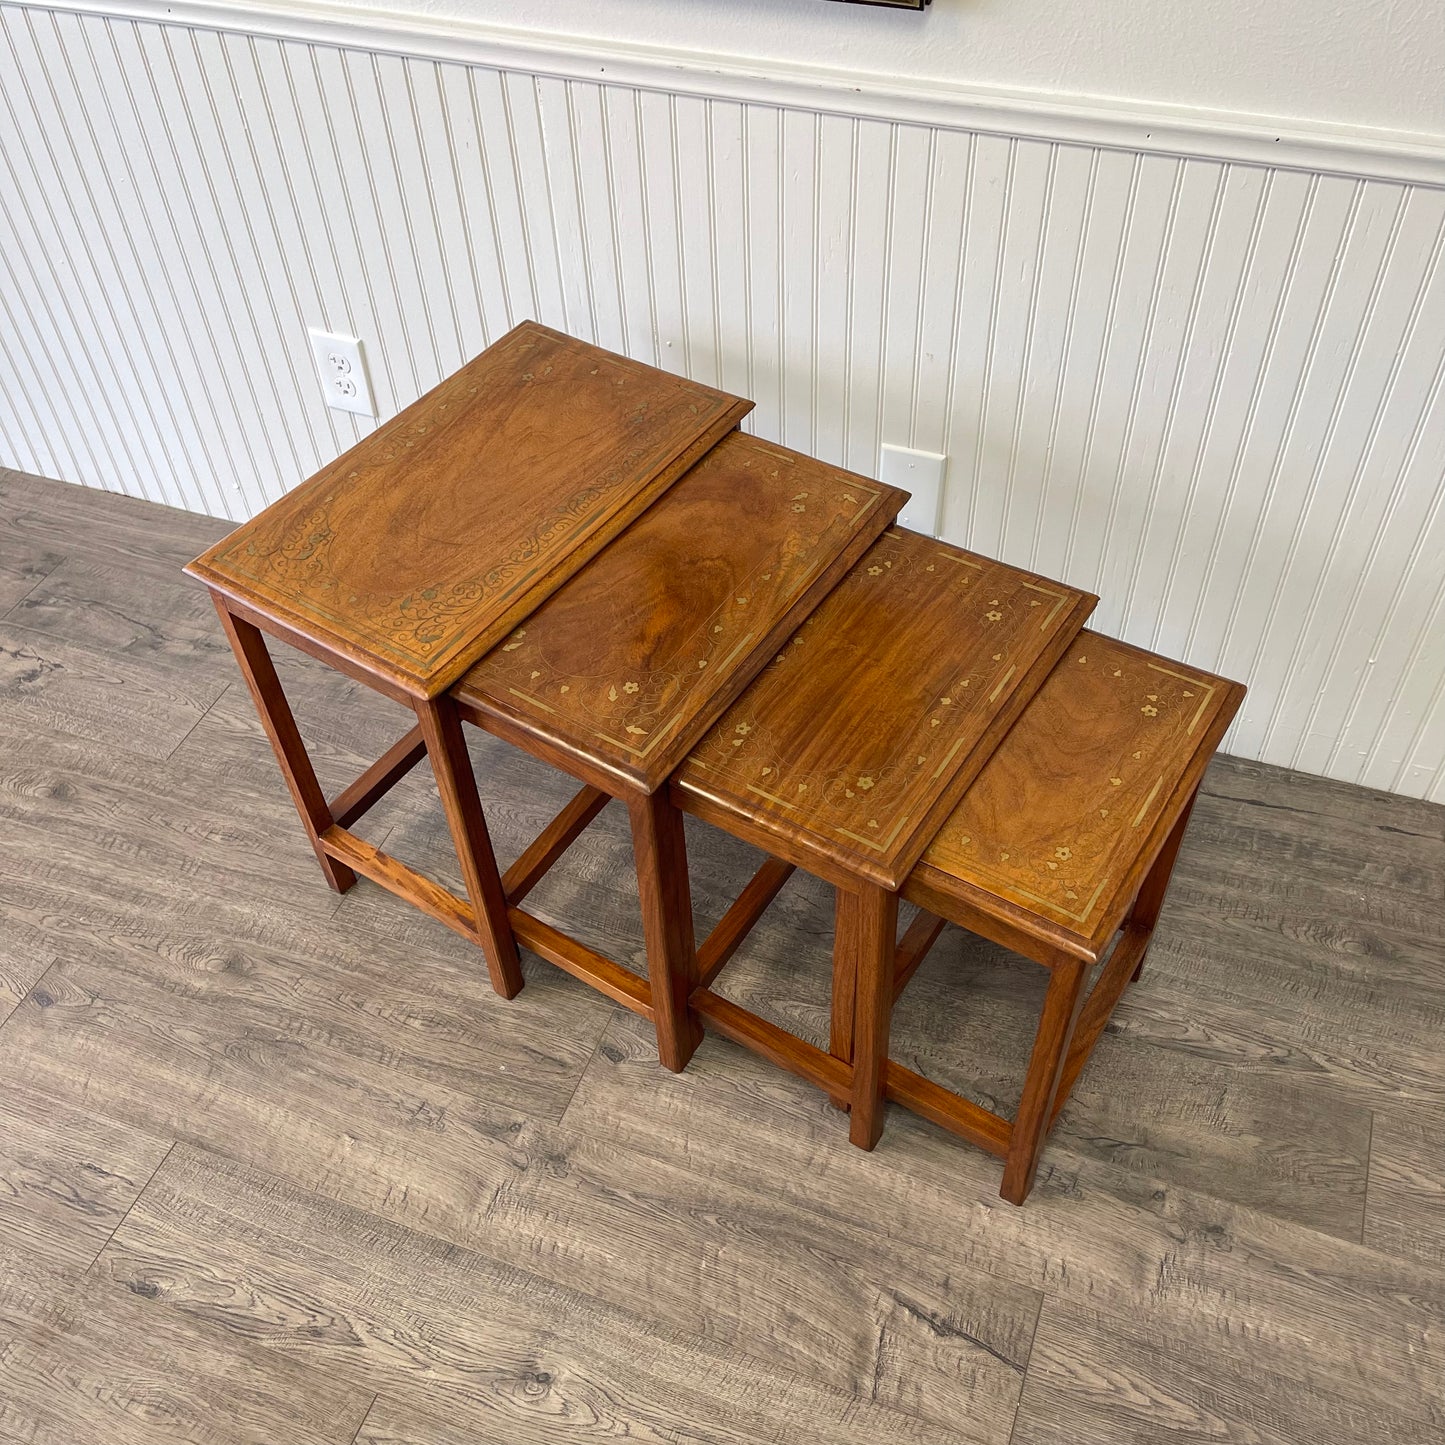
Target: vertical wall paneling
1210	389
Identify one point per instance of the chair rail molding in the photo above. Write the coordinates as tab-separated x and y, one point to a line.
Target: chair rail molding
1192	362
1057	116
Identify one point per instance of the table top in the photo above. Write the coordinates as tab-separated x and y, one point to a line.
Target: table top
425	544
626	665
1082	793
854	744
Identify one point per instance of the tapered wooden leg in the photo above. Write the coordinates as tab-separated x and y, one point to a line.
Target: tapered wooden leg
441	727
276	717
867	930
662	885
1051	1046
1149	903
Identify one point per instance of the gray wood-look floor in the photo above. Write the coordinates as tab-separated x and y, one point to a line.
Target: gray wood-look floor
278	1167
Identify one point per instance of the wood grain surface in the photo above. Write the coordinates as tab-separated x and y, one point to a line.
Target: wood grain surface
419	548
399	1206
628	663
856	741
1056	828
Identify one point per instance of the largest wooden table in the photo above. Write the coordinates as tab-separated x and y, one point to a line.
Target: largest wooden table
412	555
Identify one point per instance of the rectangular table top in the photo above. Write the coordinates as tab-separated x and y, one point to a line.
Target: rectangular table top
427	542
1056	832
625	666
856	742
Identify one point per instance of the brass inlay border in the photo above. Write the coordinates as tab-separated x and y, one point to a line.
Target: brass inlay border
535	701
758	446
1059	907
666	729
1002	682
1210	688
880	844
1144	806
1062	597
948	757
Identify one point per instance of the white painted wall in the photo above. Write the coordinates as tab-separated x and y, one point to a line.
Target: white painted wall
1380	64
1172	360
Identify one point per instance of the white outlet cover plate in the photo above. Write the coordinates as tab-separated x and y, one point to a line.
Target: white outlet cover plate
922	474
341	366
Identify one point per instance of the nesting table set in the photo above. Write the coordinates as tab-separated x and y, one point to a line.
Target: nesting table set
585	557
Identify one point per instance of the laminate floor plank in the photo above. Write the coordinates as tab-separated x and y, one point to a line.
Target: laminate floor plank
22	570
102	605
80	1362
25	954
404	1210
1102	1379
439	1327
124	705
84	1362
67	1177
333	1075
1092	1232
1405	1214
48	516
153	829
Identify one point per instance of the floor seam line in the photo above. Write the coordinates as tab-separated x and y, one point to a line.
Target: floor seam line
1028	1366
225	688
150	1179
365	1417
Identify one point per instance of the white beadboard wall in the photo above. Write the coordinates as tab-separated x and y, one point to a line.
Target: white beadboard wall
1208	389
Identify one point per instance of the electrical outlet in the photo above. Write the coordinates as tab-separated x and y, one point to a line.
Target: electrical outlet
922	474
342	369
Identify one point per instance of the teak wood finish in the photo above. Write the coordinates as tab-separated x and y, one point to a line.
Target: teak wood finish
421	547
1063	844
854	744
404	560
626	665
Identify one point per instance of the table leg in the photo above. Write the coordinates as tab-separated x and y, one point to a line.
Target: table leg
441	727
1051	1047
867	932
840	1018
660	851
276	717
1150	901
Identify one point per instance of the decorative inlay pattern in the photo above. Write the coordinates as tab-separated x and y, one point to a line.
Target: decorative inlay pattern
428	530
625	657
1062	809
862	719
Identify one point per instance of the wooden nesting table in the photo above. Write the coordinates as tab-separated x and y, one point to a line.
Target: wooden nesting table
584	557
405	560
618	674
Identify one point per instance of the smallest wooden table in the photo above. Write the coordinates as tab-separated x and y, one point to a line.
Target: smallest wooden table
1064	845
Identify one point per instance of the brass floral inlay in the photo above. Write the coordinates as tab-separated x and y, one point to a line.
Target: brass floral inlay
1069	877
908	762
638	714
